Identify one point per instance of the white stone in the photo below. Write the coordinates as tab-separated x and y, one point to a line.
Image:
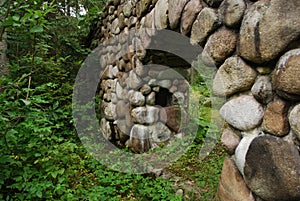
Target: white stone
243	113
241	151
137	99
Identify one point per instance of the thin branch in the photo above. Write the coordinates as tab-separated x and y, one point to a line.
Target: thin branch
28	88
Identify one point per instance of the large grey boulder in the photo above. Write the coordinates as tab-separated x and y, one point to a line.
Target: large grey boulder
272	169
233	76
268	28
243	112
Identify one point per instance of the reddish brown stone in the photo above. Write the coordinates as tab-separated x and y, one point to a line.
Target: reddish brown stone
230	140
172	117
275	120
190	12
232	185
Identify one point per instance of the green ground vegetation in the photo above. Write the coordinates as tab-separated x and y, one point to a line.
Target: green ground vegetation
41	156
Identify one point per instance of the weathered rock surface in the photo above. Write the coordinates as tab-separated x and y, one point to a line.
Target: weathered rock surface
122	93
190	12
232	186
262	89
106	129
275	120
134	81
142	7
233	76
172	117
200	30
145	89
243	113
175	11
219	46
139	138
267	28
161	14
115	26
242	149
232	12
121	109
145	115
109	110
137	99
159	132
276	177
230	140
150	99
286	80
294	119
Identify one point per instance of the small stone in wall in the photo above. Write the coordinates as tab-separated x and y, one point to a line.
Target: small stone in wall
200	30
145	89
232	186
272	169
243	113
286	77
128	8
121	109
233	76
294	119
175	10
145	115
150	99
172	117
159	132
139	138
115	29
230	140
122	93
109	110
149	21
106	129
219	46
190	12
142	7
275	120
137	99
262	89
161	14
134	81
232	12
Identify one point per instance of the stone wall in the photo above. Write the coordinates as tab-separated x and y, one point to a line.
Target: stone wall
254	45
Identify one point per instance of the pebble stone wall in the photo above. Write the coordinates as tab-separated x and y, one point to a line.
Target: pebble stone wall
256	48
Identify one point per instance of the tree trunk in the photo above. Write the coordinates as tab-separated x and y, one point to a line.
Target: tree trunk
3	47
